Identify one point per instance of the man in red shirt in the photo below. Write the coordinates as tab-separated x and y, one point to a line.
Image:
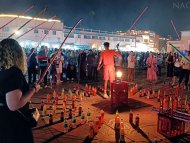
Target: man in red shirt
107	57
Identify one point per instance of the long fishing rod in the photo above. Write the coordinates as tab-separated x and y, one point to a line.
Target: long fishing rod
34	28
53	58
134	23
175	29
23	13
27	22
40	42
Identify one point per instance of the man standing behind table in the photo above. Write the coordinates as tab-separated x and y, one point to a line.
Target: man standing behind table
131	66
107	58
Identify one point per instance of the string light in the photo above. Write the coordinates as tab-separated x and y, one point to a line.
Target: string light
28	17
17	32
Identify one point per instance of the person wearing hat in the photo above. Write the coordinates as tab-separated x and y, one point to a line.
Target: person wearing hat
185	70
107	58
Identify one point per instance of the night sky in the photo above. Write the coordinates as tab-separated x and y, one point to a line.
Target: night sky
111	15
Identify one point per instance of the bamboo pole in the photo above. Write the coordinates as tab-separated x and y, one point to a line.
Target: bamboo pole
53	58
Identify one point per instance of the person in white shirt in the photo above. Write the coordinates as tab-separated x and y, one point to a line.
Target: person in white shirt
131	66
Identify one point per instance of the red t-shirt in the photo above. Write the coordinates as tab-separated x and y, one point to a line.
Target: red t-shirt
108	57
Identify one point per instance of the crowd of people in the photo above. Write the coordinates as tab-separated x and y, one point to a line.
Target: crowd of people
68	64
82	65
77	64
178	67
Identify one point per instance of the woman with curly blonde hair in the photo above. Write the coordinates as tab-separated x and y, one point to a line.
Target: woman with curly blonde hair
12	54
14	94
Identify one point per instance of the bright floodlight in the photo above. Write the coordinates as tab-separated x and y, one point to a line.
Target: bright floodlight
118	74
17	32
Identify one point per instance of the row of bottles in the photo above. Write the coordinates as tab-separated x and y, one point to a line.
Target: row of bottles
120	128
149	93
90	90
174	103
96	125
133	90
77	95
72	118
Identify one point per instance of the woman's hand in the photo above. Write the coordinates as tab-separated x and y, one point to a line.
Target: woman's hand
37	87
98	69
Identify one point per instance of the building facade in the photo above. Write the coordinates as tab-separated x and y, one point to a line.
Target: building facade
163	43
80	38
32	38
88	38
183	44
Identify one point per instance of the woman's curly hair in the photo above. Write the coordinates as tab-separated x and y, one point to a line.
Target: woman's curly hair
12	54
